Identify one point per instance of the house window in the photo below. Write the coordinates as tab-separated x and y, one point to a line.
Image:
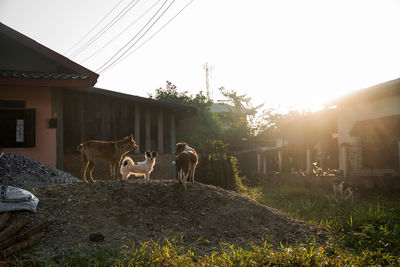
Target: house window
17	125
380	153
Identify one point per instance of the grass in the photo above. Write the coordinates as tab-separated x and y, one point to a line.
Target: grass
368	224
171	253
367	231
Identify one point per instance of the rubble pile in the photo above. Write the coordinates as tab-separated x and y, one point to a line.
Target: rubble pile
21	171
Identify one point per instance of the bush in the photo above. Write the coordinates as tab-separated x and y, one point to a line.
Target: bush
218	168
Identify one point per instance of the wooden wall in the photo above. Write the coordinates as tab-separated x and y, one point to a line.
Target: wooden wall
88	116
91	116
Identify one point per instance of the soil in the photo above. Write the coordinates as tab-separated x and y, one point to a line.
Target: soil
136	211
111	215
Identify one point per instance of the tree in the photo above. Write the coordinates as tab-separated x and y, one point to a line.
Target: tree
238	122
270	123
204	127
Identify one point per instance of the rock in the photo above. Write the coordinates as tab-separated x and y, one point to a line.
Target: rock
96	237
21	171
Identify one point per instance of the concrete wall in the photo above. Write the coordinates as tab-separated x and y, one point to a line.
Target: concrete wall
351	113
38	98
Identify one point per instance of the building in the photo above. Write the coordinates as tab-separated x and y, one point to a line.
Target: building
48	105
369	131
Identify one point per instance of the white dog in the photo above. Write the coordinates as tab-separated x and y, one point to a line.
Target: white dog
145	167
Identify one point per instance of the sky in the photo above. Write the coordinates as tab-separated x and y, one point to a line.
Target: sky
281	53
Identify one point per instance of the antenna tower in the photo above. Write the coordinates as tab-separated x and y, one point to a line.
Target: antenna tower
208	68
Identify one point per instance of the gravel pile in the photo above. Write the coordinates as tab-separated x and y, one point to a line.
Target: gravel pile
20	171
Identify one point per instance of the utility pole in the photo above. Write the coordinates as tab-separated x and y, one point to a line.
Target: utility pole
208	68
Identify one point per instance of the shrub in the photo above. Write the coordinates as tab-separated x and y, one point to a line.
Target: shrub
218	168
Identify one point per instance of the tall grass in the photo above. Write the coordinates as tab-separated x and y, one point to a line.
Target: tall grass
172	253
367	224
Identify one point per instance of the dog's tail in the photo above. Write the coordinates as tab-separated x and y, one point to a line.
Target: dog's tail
124	168
126	161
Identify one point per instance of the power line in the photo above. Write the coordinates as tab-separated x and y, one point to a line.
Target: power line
118	35
95	26
124	11
106	28
116	54
148	39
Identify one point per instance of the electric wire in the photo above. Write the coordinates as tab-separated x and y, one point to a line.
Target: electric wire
95	26
116	54
148	39
107	27
118	35
94	38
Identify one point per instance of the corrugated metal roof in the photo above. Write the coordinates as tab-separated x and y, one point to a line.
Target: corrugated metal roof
41	75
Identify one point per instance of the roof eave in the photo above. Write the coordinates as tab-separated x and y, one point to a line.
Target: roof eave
377	91
46	82
188	110
46	52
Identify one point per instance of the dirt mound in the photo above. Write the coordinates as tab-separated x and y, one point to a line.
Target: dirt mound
138	210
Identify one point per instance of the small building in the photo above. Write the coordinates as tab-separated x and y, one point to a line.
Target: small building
294	147
49	105
369	131
31	79
263	157
95	113
310	139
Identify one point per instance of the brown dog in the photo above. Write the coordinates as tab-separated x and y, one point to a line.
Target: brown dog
186	162
110	152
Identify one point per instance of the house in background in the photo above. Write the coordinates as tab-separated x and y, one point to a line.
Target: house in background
369	131
94	113
263	157
31	80
310	139
49	105
300	142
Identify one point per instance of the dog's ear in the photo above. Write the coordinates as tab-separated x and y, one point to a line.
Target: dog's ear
182	144
154	153
148	154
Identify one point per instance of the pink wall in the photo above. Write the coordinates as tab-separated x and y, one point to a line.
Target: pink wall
40	99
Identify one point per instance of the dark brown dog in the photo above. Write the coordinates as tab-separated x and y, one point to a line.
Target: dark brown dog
186	162
110	152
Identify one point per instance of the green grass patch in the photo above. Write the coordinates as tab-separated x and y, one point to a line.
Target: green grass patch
175	254
367	224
